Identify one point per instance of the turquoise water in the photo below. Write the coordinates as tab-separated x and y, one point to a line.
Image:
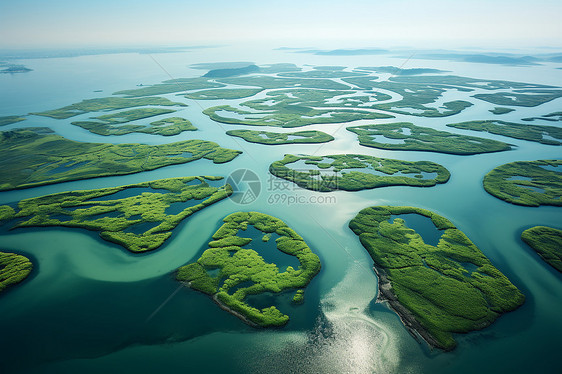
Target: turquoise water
91	306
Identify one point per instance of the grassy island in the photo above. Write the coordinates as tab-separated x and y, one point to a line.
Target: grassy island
525	98
268	82
356	172
234	269
289	116
394	70
105	104
552	117
501	110
139	217
232	72
417	99
224	94
8	120
547	242
32	157
271	138
171	86
14	268
535	133
114	125
529	183
437	290
407	136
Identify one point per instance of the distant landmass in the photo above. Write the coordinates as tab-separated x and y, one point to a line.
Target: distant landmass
16	54
13	68
345	52
496	58
221	65
398	71
480	58
232	72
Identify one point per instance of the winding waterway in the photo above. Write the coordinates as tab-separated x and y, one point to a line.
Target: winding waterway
91	306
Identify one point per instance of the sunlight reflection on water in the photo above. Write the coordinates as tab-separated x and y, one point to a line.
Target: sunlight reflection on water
346	338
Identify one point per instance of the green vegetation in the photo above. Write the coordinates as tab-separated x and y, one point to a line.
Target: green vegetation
407	136
534	133
294	116
322	73
501	110
166	127
520	98
36	156
266	82
8	120
243	272
135	216
295	108
232	72
133	115
357	172
437	290
286	100
278	68
462	83
415	97
553	117
547	242
171	86
530	183
266	137
224	94
13	269
105	104
399	71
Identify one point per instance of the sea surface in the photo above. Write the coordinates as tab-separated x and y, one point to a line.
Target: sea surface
91	306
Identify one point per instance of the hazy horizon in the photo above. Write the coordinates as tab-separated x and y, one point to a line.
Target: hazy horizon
31	24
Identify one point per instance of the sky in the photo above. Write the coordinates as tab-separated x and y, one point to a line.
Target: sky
353	23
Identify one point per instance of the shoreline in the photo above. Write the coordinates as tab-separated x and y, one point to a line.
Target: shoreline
235	313
414	327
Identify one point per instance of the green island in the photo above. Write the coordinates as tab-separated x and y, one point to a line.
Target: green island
394	70
526	98
271	138
351	172
232	72
437	290
535	133
268	82
14	268
8	120
234	269
299	107
171	86
501	110
407	136
458	82
294	116
112	124
323	72
553	117
415	97
139	217
32	157
223	94
529	183
547	242
315	98
105	104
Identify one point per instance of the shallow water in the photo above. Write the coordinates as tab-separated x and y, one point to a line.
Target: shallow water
91	306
